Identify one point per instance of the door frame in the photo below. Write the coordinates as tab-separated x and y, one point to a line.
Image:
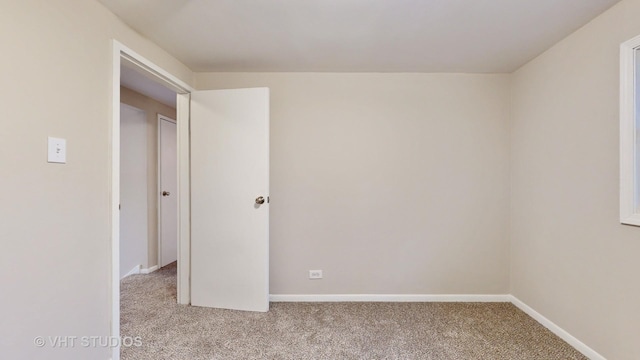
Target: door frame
159	177
122	54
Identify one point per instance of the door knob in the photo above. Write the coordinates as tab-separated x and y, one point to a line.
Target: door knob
260	200
166	193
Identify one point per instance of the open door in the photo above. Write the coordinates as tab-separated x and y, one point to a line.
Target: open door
230	199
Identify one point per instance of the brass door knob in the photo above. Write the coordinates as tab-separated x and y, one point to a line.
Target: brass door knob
166	193
260	200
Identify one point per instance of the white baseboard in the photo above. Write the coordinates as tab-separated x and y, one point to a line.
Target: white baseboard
388	298
135	270
149	270
561	333
138	269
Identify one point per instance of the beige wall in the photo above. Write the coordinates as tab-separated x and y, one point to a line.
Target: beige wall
152	108
571	259
390	183
55	229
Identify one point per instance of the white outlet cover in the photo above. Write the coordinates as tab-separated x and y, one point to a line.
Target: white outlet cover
57	150
315	274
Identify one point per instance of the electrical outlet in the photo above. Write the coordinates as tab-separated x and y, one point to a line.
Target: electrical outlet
315	274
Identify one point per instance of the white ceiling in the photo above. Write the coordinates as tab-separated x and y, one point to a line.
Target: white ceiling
145	85
479	36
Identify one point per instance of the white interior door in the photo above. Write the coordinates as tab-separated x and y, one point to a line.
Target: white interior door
168	185
229	173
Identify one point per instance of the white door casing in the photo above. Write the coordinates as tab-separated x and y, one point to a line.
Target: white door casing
121	55
229	171
168	190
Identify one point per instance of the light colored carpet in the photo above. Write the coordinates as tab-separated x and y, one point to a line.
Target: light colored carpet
327	330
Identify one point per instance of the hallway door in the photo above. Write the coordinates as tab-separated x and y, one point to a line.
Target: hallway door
168	187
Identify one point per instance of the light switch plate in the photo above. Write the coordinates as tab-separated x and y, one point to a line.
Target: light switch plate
57	150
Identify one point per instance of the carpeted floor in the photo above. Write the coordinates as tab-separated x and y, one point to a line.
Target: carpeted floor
327	330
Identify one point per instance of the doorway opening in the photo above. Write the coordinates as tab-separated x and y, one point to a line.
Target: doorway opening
148	174
136	170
